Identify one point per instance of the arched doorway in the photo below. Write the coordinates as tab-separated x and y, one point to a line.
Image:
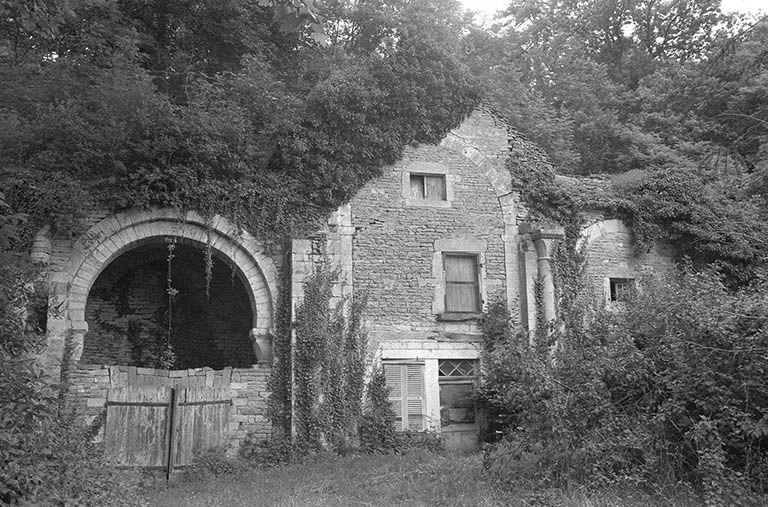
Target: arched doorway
145	232
153	306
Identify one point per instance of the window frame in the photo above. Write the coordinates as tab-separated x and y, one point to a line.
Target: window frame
403	424
425	194
466	380
427	169
614	296
458	246
478	306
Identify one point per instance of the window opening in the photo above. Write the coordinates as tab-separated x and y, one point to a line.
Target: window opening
622	289
457	380
462	287
457	368
428	187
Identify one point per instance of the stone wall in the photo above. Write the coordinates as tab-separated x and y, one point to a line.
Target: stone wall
248	386
394	242
611	253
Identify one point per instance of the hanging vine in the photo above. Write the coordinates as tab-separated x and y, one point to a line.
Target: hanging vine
168	356
208	253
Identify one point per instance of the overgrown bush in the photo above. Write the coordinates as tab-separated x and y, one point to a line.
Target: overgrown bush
46	454
672	387
274	452
214	462
377	425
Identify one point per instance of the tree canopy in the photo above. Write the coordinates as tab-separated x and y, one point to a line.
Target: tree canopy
669	97
273	112
216	105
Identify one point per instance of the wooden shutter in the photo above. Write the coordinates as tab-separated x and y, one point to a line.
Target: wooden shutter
435	187
417	186
414	400
394	378
462	292
406	383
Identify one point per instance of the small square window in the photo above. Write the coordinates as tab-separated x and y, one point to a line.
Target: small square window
462	286
428	187
622	289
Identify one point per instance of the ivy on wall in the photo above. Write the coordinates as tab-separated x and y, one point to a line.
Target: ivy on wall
318	379
280	377
712	222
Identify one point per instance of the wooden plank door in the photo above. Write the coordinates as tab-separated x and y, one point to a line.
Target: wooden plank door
136	428
200	419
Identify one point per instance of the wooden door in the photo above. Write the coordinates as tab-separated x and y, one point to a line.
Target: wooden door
137	425
200	420
163	427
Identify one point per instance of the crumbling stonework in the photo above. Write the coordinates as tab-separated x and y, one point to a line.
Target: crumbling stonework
612	253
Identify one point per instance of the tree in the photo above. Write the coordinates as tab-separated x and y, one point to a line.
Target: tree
209	105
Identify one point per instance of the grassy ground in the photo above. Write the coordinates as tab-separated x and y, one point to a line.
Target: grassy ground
413	480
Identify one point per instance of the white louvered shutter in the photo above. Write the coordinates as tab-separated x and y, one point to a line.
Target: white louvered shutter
406	383
393	374
414	379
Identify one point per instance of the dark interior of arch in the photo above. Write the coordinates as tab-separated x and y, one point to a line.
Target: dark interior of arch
128	312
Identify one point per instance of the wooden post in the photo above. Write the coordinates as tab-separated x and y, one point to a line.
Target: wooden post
172	426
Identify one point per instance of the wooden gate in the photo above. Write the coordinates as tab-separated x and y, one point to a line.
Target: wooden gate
163	427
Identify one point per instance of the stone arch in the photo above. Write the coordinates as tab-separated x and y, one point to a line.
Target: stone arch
484	141
612	257
487	143
121	232
602	228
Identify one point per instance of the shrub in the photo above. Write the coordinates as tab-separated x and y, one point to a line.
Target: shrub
213	462
671	388
46	454
377	424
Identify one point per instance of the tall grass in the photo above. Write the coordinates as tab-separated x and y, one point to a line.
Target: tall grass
414	479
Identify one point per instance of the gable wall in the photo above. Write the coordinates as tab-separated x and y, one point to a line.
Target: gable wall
394	243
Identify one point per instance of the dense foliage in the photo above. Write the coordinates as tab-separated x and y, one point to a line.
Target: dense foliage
669	388
326	369
208	105
607	87
668	97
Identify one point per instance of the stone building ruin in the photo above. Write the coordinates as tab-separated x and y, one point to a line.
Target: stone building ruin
433	241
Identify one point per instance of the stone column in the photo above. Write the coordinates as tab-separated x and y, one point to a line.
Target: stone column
40	252
262	346
542	239
542	243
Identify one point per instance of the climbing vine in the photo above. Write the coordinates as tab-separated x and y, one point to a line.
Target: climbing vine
280	375
330	357
711	223
208	255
